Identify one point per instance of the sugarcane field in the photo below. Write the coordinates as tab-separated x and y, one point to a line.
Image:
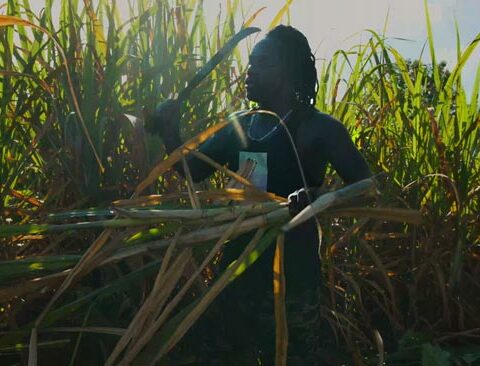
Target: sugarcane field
239	182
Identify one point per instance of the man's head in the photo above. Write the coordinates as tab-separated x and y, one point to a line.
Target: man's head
282	64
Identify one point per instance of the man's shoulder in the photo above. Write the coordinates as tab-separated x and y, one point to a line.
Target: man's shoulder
323	123
235	131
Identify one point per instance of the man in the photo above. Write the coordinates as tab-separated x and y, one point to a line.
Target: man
289	155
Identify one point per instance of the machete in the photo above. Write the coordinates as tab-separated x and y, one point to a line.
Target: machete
214	61
204	71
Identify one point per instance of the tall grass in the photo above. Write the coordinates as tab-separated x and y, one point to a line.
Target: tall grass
117	69
416	123
392	286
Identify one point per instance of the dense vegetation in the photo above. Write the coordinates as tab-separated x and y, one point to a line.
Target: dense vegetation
73	94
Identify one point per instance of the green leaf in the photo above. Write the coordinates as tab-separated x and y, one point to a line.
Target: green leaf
27	268
151	350
436	75
125	282
264	243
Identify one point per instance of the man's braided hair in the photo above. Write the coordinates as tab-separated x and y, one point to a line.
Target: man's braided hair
299	61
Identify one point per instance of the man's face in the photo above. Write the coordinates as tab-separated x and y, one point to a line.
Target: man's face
265	74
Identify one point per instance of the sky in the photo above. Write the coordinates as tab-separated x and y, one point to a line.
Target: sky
330	25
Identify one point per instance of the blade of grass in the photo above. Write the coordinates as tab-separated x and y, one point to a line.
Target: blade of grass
6	20
162	318
138	323
436	75
281	326
281	13
194	201
176	155
33	348
212	293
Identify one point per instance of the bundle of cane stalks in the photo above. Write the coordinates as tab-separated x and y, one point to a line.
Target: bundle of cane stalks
160	241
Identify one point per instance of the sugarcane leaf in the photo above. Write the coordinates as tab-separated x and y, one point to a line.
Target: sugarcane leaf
263	245
151	350
281	13
6	20
127	281
36	266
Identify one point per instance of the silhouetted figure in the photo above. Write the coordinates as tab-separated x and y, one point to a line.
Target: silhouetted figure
281	78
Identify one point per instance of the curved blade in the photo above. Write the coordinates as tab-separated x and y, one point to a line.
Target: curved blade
215	60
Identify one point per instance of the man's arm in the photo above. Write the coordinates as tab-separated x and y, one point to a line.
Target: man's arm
220	148
323	140
340	151
165	122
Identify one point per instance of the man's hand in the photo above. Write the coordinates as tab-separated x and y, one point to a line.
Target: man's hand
300	199
165	122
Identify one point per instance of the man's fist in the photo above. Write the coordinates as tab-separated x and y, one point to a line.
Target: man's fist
164	121
301	198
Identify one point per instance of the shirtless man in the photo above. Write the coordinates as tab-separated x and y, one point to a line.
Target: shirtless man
281	78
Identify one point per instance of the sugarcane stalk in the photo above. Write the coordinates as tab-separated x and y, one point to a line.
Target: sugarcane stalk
226	194
159	321
197	214
206	234
358	189
144	218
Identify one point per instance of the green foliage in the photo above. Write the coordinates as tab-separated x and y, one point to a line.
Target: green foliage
413	121
118	69
24	268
